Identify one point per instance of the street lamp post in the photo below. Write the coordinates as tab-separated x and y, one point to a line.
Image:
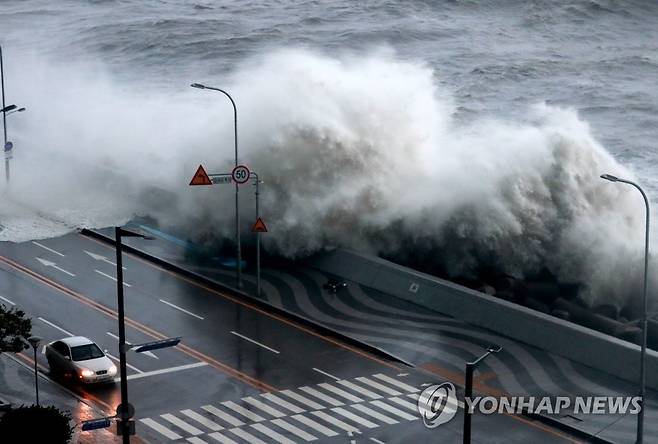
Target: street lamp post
124	412
6	110
640	416
468	390
34	342
237	200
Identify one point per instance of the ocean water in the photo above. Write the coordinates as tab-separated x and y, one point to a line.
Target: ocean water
463	133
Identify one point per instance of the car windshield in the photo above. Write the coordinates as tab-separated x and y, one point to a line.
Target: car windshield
84	352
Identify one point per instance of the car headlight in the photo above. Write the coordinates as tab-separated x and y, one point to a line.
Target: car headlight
86	373
112	370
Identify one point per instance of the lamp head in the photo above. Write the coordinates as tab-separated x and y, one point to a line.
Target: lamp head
7	108
198	85
20	110
610	177
34	341
494	348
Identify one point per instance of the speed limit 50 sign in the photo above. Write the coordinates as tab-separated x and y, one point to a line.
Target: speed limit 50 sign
240	174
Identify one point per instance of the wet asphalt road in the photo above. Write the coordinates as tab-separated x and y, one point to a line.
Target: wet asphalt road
232	353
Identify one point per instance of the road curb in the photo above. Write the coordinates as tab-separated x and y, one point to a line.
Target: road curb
316	326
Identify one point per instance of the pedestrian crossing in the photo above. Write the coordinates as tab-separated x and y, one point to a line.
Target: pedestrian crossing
305	414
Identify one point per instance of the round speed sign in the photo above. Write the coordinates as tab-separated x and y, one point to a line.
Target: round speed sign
240	174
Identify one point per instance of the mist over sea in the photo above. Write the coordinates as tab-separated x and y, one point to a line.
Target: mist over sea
464	133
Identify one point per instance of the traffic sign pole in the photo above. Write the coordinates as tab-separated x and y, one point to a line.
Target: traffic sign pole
257	237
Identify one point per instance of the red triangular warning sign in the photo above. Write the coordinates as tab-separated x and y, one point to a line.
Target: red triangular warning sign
200	177
259	226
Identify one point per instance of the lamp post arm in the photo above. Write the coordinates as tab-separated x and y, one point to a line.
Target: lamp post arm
235	119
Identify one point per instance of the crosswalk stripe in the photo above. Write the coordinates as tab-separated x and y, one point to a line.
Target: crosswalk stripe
264	407
251	439
315	425
272	434
294	430
202	420
404	403
326	398
282	402
221	438
361	390
368	411
195	440
395	411
337	422
160	428
312	404
340	392
244	412
355	418
181	424
378	386
222	415
395	382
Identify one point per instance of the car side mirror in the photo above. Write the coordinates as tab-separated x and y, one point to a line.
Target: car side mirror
68	358
105	351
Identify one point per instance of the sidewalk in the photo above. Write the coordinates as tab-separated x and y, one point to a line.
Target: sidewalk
17	387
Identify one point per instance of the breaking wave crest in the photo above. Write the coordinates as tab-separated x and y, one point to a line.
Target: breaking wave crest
363	152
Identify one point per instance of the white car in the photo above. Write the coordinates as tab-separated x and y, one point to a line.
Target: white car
80	360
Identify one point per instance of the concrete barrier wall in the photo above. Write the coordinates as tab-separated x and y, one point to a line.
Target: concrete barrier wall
564	338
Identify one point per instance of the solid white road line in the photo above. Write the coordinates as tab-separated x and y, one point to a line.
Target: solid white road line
127	365
395	382
181	424
251	439
7	300
326	374
315	425
111	277
254	342
282	402
68	333
301	399
340	392
181	309
370	412
195	440
166	370
361	390
221	438
394	410
355	418
404	403
264	407
47	248
202	420
326	398
160	428
242	411
378	386
336	422
272	434
375	440
223	416
147	353
294	430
